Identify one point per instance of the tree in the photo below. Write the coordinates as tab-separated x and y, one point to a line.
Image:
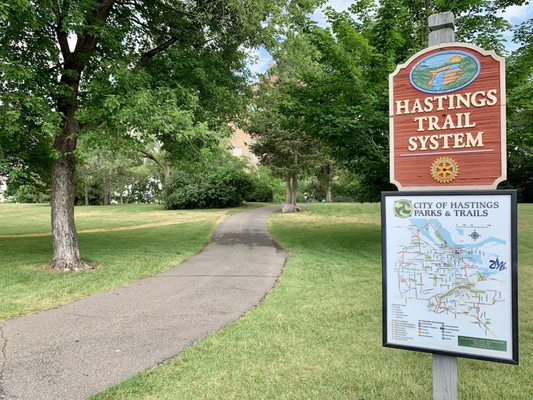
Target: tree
69	66
520	113
279	141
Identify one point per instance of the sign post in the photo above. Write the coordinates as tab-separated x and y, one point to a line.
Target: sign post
441	30
449	242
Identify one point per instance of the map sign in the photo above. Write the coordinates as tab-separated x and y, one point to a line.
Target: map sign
449	269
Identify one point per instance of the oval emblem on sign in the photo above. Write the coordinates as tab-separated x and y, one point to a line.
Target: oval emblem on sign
444	72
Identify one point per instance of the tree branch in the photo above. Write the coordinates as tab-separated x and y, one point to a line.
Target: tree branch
139	22
150	156
152	53
87	42
62	36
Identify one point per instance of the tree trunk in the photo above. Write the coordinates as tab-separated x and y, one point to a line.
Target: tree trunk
294	189
86	193
329	185
167	172
64	237
288	190
291	186
106	192
328	194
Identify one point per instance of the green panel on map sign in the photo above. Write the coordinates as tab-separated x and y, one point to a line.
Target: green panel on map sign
481	343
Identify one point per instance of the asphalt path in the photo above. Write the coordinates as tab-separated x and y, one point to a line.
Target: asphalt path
74	351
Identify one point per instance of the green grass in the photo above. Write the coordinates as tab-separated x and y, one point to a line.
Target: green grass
27	285
25	219
318	334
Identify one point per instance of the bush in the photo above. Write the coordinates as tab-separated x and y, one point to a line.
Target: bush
266	187
208	186
29	194
261	192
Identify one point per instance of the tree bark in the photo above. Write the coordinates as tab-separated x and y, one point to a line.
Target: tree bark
329	183
86	193
106	188
328	194
167	172
288	191
64	237
291	186
165	166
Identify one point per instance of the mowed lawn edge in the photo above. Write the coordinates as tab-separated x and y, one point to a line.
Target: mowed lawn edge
317	335
121	256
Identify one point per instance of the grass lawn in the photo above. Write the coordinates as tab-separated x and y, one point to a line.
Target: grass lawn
127	242
318	334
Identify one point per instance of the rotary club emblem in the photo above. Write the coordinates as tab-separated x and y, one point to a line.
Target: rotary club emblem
444	169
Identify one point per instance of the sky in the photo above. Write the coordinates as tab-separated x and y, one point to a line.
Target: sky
514	14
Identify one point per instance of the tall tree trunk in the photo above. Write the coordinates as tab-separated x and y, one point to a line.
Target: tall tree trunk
328	194
329	183
294	189
167	172
106	195
288	190
64	237
291	186
86	193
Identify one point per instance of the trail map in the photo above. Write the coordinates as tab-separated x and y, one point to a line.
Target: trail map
449	274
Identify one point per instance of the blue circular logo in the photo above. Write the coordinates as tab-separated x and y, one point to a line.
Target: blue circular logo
444	72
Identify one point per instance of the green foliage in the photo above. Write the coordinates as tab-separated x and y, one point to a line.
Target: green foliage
351	125
347	187
215	183
280	142
520	113
265	187
261	192
36	193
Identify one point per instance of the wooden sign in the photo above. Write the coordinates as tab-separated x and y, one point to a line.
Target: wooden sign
447	119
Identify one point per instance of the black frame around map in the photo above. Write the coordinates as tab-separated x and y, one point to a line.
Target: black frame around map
514	275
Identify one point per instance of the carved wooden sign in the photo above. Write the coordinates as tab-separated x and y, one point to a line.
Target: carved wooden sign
447	119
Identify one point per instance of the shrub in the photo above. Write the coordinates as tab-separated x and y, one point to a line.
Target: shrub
261	191
208	186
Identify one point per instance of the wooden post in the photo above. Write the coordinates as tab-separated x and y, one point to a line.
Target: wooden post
444	367
441	28
444	377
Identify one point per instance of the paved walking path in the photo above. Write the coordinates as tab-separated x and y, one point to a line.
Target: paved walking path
79	349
